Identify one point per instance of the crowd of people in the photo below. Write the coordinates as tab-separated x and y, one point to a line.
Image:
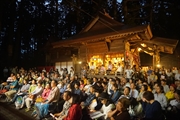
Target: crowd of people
152	94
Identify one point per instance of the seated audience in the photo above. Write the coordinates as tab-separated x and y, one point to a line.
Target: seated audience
23	91
32	96
45	93
50	103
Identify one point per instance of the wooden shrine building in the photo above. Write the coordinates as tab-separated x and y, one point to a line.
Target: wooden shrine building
103	39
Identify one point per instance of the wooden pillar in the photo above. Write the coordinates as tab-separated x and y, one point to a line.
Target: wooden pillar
126	54
156	59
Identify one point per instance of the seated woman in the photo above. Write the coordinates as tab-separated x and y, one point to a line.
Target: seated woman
32	96
116	94
50	103
170	94
23	91
30	91
107	106
45	93
120	113
75	111
144	88
152	108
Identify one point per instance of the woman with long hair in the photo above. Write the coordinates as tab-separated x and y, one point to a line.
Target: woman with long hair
75	111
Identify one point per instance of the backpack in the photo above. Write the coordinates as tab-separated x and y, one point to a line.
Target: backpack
19	102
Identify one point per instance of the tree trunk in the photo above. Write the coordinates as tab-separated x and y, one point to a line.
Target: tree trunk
125	10
78	27
56	19
114	3
10	33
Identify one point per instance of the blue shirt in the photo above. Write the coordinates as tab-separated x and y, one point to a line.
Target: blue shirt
78	92
15	84
115	96
89	99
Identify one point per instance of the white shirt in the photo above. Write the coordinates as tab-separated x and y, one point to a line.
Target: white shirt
71	73
177	76
126	85
166	88
92	67
175	71
124	96
175	103
129	73
105	109
161	98
10	79
119	69
110	67
109	88
37	91
87	88
169	74
61	72
134	93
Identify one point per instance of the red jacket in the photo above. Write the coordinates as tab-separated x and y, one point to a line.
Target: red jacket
74	113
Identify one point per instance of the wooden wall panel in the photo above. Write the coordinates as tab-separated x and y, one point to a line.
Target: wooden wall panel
117	46
82	53
97	47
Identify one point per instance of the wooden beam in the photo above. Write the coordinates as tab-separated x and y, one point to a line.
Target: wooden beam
125	39
107	40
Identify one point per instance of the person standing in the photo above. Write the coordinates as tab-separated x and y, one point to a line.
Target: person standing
119	69
129	72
